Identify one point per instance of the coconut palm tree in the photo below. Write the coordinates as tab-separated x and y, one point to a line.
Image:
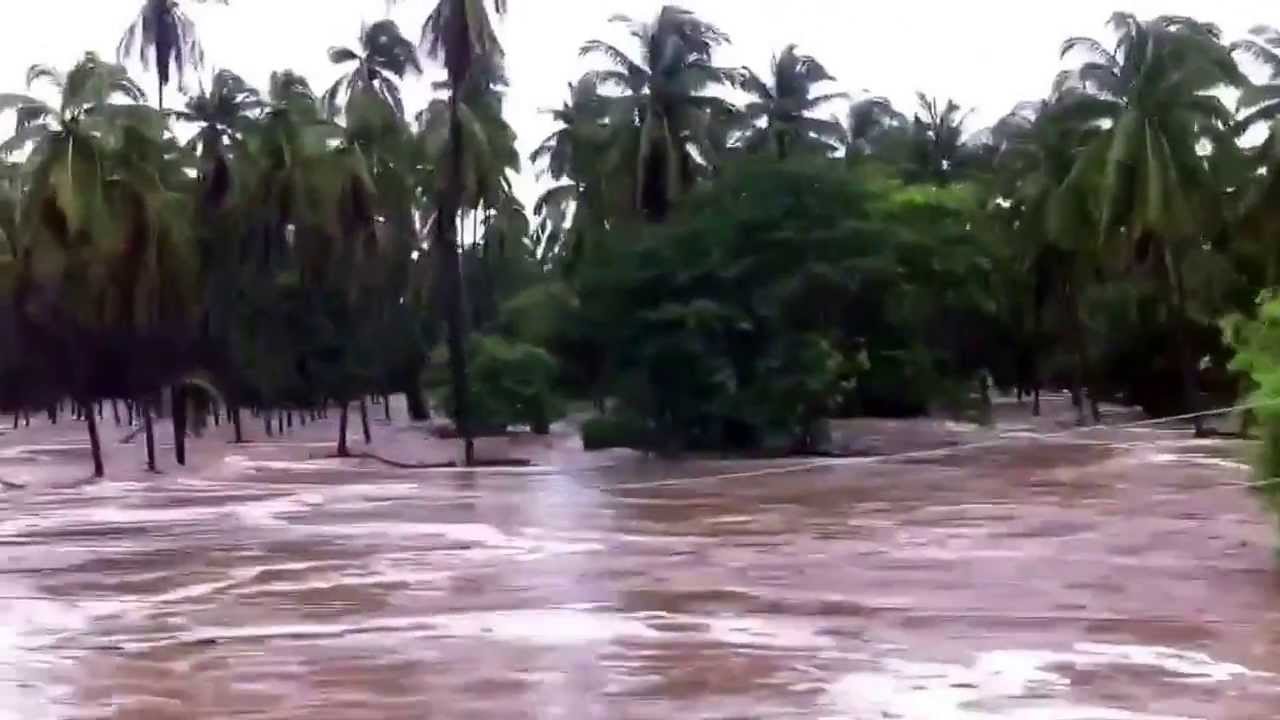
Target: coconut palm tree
164	36
104	254
573	156
1040	172
384	57
936	140
665	110
1156	192
871	125
781	110
460	35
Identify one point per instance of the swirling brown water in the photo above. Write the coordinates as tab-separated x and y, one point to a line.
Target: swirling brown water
1126	579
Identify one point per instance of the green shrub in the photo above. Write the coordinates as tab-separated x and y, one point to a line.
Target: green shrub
616	431
1257	345
512	383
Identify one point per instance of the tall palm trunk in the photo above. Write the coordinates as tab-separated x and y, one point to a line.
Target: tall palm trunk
451	282
1174	283
1080	373
95	447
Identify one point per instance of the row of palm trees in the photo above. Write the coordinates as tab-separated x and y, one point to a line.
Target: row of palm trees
270	255
286	252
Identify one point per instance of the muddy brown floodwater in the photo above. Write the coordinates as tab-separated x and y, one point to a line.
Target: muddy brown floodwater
1125	578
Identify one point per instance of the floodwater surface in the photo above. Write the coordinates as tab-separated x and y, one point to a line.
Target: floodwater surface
1127	578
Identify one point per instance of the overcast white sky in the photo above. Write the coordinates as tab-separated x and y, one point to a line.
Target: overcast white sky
987	54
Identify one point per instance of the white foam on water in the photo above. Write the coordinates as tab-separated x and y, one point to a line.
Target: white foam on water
29	689
1181	459
559	626
493	542
763	632
1011	684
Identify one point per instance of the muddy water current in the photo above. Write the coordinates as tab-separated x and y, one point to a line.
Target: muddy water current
1132	579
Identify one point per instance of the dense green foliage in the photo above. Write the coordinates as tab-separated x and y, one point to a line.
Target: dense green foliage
710	274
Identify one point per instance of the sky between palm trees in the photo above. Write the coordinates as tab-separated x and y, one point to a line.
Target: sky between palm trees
988	54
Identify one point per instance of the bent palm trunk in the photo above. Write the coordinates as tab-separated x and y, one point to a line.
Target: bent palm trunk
95	446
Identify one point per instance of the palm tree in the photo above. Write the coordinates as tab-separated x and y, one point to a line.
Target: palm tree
1040	172
872	123
1156	191
385	57
665	109
103	252
163	35
460	35
780	113
936	140
572	156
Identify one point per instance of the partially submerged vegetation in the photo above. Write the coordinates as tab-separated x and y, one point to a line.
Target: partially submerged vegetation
718	262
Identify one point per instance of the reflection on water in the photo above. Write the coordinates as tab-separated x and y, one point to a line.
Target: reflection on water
1036	582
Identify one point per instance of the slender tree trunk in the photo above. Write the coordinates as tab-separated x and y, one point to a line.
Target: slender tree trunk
342	432
414	403
53	414
266	423
26	418
386	407
149	430
17	416
280	423
95	447
364	421
178	396
289	419
115	412
1181	322
1080	373
234	411
452	285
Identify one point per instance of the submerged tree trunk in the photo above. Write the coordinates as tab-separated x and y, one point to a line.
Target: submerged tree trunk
178	396
1191	395
415	405
364	421
1080	373
342	432
149	431
95	447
